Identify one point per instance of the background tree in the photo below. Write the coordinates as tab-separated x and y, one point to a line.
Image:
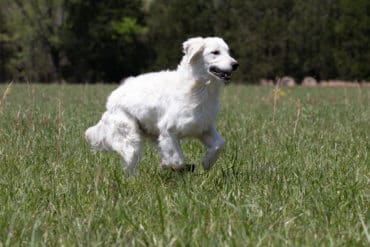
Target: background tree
5	45
312	39
172	22
90	40
352	32
104	40
263	38
36	25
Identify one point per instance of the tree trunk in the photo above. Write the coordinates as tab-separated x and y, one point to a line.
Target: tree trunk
55	58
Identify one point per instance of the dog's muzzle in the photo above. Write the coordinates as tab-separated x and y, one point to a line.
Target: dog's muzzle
224	75
220	74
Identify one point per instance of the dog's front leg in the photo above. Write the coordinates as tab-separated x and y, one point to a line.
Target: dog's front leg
214	143
172	156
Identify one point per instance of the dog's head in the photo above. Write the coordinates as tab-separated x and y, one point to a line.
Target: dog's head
214	56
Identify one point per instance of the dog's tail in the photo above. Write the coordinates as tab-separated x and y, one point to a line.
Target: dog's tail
115	131
96	136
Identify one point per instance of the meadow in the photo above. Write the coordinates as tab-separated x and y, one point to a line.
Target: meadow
295	172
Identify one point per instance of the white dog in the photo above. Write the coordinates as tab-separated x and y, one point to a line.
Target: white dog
167	106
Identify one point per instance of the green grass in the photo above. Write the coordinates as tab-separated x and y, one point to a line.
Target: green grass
294	172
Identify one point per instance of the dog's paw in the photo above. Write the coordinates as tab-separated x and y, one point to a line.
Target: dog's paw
180	169
185	168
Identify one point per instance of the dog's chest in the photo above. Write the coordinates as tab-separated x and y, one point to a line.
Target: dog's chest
194	119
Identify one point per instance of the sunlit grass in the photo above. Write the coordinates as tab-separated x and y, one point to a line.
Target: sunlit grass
295	172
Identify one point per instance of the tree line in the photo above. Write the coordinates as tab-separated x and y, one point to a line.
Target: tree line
105	41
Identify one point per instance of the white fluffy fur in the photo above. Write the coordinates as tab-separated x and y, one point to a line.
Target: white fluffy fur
167	106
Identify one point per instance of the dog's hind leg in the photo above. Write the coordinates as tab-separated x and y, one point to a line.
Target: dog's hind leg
118	131
126	140
214	143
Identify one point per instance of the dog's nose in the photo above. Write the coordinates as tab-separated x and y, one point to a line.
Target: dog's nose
235	65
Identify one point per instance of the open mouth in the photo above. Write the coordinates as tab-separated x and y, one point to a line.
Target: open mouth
223	75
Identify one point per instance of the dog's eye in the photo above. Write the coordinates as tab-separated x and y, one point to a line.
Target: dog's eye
216	52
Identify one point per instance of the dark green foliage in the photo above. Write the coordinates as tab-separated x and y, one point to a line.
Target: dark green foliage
271	38
172	22
90	40
103	40
5	48
36	28
353	33
311	41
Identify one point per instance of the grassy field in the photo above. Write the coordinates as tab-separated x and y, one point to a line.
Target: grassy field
295	172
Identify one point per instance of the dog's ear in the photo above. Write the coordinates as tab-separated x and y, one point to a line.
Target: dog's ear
192	47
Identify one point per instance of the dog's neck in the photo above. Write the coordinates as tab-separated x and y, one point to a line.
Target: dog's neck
202	82
195	71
